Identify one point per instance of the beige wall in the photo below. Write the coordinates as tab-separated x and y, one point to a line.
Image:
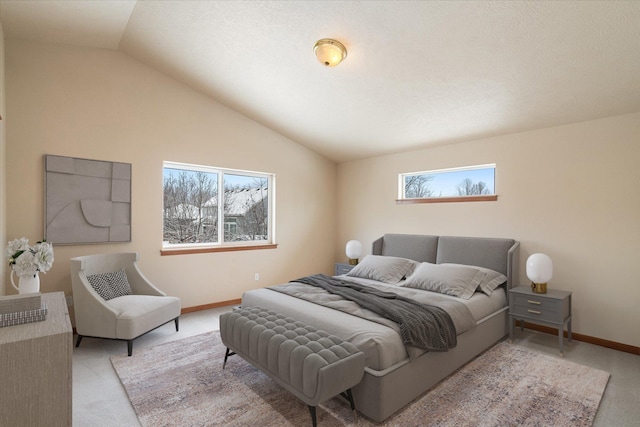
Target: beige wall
101	104
570	191
3	222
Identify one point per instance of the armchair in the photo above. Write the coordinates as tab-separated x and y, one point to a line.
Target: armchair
124	317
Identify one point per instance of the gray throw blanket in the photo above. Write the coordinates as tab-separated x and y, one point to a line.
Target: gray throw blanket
421	325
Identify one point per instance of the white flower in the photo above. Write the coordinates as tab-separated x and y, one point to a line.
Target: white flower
17	245
43	256
27	260
25	264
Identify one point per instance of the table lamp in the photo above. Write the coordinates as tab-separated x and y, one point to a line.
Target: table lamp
354	251
539	271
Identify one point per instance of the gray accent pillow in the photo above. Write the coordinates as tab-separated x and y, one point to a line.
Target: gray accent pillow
457	280
100	284
387	269
491	280
110	285
120	284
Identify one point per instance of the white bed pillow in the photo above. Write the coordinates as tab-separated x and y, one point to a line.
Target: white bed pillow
457	280
491	280
385	269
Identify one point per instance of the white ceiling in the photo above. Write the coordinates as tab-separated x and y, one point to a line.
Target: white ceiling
417	73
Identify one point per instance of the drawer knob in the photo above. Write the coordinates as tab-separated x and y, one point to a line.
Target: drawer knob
534	302
534	311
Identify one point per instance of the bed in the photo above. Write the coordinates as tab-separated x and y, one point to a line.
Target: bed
395	374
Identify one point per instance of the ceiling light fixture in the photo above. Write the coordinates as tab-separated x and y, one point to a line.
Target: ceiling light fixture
329	52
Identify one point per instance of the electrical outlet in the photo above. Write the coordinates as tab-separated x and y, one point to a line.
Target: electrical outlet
69	301
257	277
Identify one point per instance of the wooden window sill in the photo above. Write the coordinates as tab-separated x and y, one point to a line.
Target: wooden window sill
187	251
490	198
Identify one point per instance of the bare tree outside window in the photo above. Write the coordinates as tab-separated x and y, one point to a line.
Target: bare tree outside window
417	186
192	205
187	219
478	180
468	188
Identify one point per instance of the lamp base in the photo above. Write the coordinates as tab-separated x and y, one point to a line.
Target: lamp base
353	261
539	288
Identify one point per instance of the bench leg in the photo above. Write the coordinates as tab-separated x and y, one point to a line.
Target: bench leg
347	395
130	347
78	340
312	409
177	327
226	356
351	402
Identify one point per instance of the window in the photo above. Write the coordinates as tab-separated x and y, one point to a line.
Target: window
197	215
471	183
230	227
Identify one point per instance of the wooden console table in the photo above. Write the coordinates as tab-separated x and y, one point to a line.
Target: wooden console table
35	369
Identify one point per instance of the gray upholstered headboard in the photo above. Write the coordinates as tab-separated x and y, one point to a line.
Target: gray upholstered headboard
497	254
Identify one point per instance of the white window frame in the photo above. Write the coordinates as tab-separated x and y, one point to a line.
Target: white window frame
447	198
220	243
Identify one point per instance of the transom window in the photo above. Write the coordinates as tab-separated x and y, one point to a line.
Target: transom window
197	214
471	183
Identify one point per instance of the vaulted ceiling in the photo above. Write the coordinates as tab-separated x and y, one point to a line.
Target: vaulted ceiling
416	73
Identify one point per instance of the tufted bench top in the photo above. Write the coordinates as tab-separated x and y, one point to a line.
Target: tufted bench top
308	362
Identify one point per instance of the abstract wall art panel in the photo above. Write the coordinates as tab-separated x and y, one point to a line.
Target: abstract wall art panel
87	201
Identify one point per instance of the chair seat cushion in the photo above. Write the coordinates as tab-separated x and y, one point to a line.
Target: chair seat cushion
138	314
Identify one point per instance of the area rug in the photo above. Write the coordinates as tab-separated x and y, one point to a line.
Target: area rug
181	383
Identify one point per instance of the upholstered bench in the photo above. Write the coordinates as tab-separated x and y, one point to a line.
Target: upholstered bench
309	363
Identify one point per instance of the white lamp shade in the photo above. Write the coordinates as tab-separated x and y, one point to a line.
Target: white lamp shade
539	268
353	249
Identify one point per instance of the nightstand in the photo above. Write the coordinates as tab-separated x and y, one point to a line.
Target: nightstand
342	268
552	308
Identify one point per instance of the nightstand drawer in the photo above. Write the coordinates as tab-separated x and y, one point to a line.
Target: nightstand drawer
343	268
543	313
537	306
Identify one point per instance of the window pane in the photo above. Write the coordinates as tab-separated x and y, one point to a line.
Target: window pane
246	208
197	212
470	181
190	206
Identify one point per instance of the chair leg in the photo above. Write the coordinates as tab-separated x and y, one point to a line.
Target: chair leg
314	421
130	347
78	340
177	327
